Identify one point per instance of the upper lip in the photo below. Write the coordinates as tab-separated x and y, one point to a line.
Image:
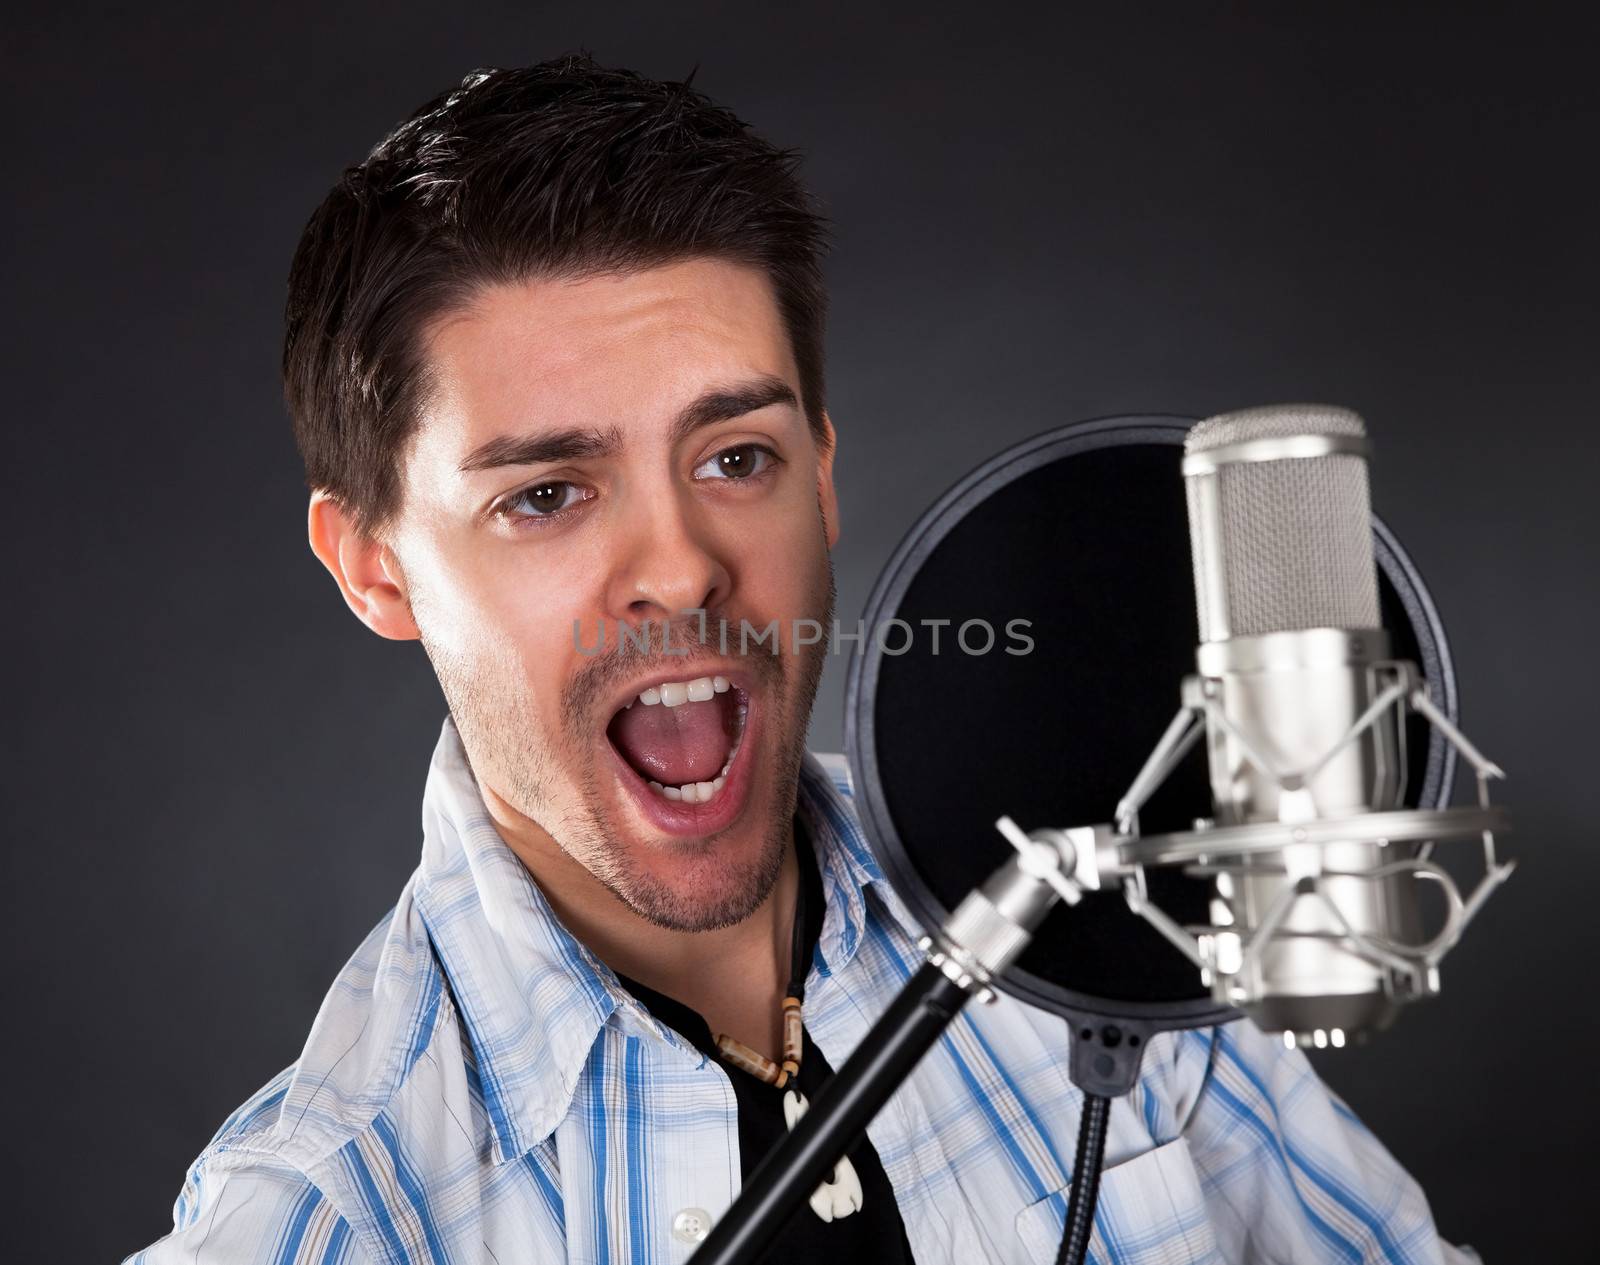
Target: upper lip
686	671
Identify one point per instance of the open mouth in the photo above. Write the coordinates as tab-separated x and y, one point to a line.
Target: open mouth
681	737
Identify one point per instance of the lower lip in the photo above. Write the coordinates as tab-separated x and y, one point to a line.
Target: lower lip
687	821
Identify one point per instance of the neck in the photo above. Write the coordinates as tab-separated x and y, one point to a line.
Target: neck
733	977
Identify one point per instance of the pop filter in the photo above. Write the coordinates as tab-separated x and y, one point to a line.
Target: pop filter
1023	651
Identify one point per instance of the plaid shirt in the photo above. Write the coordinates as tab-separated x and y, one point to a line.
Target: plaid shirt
477	1087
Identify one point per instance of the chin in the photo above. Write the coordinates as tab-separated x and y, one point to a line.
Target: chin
709	883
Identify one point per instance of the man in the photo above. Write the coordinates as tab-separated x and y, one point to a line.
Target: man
554	361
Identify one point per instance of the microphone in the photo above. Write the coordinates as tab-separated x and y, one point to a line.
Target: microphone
1315	918
1286	588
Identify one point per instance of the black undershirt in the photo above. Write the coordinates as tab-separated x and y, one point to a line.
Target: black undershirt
873	1235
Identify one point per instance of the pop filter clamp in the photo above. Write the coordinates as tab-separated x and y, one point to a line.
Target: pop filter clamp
974	950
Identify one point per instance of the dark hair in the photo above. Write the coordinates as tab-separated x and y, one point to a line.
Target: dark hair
561	169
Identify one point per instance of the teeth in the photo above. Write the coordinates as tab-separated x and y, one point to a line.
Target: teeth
674	694
693	792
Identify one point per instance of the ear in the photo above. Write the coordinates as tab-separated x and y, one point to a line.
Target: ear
826	496
364	568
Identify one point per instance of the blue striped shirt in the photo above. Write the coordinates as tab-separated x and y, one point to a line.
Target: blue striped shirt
477	1087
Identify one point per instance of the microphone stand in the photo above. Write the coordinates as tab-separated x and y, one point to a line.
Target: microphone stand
984	935
840	1114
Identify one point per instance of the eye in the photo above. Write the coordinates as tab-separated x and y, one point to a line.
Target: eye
544	500
739	462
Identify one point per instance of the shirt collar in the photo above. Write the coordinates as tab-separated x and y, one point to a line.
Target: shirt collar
533	998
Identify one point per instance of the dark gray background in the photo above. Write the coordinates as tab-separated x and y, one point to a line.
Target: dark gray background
214	772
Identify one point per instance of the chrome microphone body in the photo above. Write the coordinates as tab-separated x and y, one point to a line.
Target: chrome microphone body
1292	654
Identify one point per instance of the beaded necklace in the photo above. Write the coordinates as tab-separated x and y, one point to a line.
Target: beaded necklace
840	1194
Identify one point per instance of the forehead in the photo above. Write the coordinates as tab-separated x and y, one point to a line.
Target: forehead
620	350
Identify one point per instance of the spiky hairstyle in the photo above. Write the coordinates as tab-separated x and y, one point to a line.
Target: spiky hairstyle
564	169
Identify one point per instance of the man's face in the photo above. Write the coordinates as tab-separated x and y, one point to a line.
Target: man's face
596	455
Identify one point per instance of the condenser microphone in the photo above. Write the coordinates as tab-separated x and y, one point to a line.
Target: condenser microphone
1286	588
1314	861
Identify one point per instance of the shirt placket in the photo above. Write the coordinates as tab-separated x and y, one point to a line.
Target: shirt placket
650	1151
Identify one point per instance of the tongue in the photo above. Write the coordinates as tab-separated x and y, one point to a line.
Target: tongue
673	745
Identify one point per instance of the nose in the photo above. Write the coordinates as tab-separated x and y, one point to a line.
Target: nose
667	562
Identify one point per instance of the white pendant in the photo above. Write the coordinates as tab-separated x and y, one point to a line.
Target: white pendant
840	1195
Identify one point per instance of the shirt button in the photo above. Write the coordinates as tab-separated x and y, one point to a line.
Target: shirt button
691	1225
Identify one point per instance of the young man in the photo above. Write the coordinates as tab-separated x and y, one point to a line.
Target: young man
554	360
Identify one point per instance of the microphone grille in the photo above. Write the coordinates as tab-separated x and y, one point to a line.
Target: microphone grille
1272	421
1286	544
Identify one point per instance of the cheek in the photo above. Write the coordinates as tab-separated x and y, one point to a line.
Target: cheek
516	624
783	562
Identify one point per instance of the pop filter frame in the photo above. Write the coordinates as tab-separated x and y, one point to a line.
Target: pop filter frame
1404	593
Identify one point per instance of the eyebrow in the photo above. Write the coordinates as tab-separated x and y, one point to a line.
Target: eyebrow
723	404
720	404
547	447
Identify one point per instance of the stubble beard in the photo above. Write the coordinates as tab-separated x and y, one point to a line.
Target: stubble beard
741	888
494	715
